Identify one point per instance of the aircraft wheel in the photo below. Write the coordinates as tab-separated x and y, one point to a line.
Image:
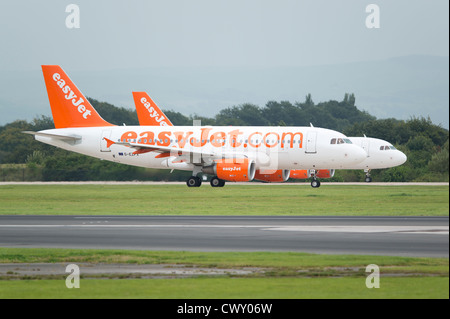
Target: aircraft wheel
217	182
368	179
315	183
194	181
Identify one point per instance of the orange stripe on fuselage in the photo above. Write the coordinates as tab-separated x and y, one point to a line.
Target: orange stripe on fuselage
234	138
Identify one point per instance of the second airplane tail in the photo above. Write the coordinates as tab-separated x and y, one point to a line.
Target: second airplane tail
148	112
70	108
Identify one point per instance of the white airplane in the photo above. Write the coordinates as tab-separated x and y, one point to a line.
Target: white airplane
240	153
379	153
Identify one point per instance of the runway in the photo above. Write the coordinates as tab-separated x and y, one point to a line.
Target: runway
395	236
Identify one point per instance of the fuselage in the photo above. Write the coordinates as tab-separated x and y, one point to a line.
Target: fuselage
380	154
270	147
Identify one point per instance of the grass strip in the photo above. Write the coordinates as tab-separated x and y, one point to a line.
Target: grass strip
360	200
236	288
279	262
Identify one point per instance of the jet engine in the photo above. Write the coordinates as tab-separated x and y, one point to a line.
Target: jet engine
233	169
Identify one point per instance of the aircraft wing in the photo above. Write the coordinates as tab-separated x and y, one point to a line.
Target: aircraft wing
175	151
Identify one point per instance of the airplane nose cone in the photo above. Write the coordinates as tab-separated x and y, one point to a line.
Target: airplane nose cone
397	158
401	158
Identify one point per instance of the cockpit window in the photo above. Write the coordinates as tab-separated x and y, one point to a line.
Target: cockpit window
340	141
387	147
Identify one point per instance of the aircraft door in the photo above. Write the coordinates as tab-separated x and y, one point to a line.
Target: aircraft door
365	145
311	139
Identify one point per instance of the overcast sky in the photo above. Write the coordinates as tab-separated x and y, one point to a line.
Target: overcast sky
125	34
137	34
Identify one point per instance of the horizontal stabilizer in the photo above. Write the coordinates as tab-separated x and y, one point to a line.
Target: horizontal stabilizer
71	137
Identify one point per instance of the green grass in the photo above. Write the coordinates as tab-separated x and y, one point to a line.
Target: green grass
231	200
291	261
283	275
225	288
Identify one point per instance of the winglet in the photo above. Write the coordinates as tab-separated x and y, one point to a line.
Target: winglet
148	112
70	108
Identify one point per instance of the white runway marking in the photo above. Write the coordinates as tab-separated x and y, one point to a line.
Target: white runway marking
434	230
438	230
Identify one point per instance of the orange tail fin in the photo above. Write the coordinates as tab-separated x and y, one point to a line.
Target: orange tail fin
70	108
148	112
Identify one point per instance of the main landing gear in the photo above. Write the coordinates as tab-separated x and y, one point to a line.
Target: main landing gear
195	181
217	182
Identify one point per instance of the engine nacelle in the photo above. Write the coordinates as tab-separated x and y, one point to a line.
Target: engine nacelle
325	173
304	173
299	174
280	175
233	170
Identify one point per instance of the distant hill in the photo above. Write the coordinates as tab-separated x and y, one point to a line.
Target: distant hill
402	88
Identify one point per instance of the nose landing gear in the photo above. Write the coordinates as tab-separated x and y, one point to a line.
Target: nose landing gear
315	183
368	178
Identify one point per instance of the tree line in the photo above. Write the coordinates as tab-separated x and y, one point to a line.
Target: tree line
425	144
